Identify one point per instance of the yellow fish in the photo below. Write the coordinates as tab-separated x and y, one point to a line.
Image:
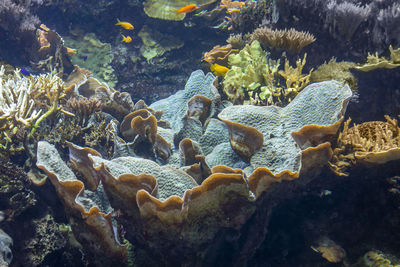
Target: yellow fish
218	69
125	25
126	39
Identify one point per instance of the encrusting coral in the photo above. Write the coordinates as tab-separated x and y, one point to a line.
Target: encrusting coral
373	142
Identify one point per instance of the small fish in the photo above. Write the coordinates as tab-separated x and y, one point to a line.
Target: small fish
24	72
84	58
218	69
125	25
126	39
186	9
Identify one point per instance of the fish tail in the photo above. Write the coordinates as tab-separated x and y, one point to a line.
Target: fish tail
118	22
123	38
212	67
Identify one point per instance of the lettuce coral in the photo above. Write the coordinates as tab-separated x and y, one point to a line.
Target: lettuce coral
163	209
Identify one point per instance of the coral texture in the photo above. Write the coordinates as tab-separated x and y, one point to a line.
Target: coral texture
162	209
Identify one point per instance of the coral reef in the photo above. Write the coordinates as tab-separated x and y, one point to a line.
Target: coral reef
156	203
378	259
295	80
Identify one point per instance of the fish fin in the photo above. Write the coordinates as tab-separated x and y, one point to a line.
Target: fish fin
118	22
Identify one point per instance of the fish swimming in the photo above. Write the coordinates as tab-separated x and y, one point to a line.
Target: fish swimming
84	58
126	39
24	72
218	69
125	25
186	9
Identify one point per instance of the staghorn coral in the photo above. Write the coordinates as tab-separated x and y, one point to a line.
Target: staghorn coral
288	40
374	142
26	101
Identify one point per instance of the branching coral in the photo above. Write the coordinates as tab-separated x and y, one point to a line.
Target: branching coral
295	80
290	40
370	142
375	62
26	102
345	17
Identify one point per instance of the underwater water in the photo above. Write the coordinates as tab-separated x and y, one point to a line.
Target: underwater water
200	133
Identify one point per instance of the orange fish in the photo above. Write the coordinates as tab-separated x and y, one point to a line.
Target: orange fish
186	9
125	25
